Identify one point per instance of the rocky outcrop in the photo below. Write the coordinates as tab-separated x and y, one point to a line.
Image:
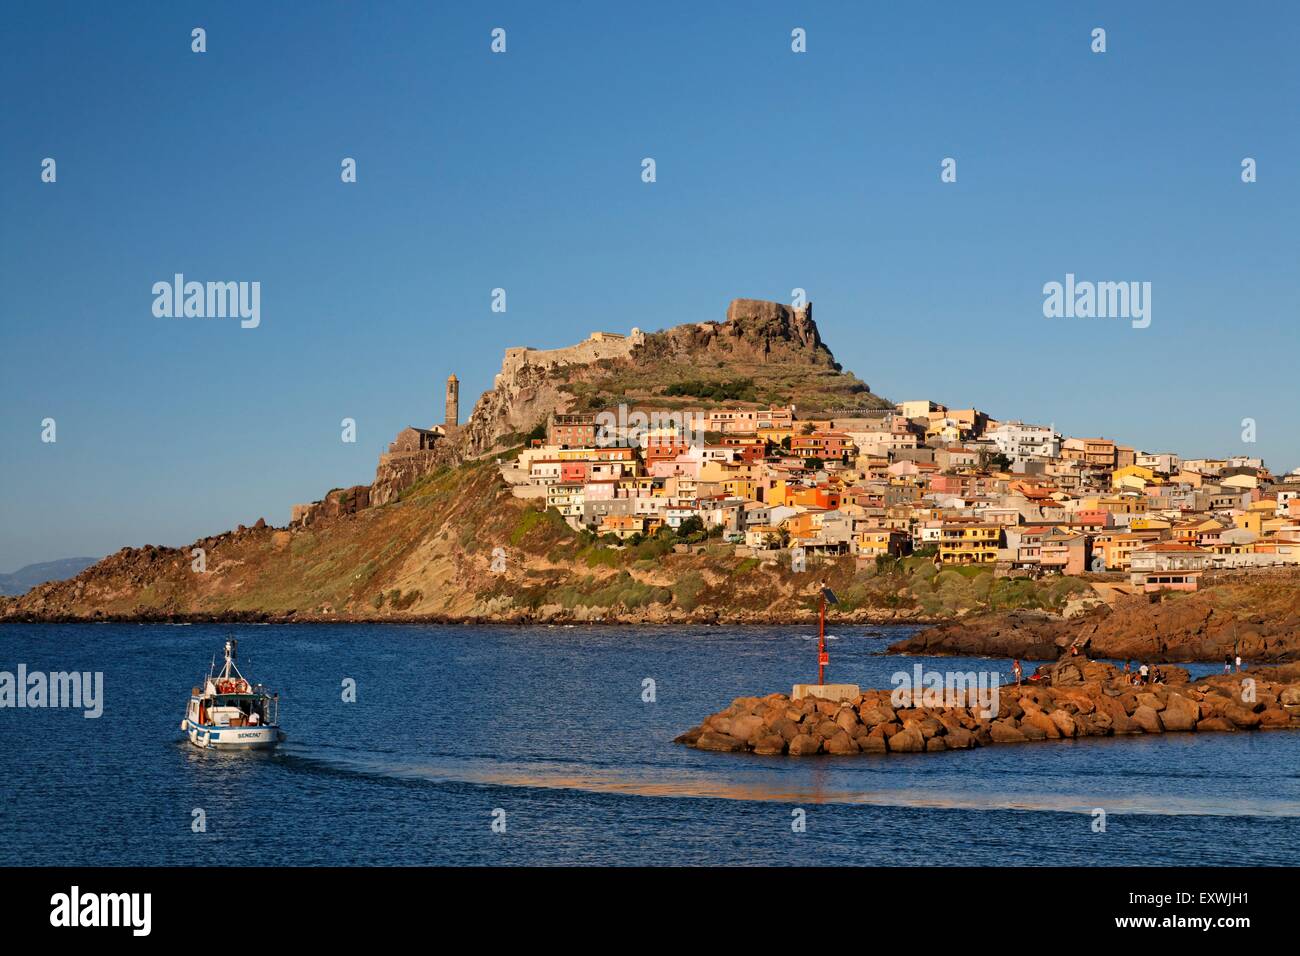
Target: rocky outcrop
755	332
402	470
1070	699
535	383
339	501
1191	628
524	396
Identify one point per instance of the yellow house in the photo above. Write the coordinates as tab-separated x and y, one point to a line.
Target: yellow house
969	543
1150	523
1244	482
715	470
874	542
1123	505
945	430
1133	476
623	526
746	488
1250	520
776	433
1116	548
643	487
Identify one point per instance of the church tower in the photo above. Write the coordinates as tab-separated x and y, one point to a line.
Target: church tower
453	401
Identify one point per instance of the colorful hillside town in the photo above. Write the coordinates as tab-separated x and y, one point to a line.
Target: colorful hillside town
917	479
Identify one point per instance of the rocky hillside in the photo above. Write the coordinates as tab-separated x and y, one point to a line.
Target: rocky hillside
430	556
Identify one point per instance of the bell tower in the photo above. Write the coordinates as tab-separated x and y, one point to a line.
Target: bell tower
453	401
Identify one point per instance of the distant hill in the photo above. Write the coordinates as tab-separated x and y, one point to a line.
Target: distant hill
24	579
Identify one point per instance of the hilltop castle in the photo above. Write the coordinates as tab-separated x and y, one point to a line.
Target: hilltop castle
597	346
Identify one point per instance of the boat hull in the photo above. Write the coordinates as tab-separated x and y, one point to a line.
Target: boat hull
209	737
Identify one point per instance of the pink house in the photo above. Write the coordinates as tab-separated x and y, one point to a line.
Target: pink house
1093	517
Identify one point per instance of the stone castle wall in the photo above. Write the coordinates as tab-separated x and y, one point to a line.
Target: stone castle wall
599	345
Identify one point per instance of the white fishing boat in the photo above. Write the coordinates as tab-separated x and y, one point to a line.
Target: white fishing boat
229	713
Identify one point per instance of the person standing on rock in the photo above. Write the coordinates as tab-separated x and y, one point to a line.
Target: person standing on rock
1238	663
1015	669
1142	674
1227	663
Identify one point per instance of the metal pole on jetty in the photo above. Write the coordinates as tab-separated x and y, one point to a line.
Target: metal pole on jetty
822	657
821	688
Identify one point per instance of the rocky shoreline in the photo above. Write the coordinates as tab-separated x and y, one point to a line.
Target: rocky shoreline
1070	699
1195	627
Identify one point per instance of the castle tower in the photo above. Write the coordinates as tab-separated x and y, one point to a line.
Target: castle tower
453	401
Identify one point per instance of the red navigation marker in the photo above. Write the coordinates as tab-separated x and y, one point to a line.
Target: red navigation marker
822	657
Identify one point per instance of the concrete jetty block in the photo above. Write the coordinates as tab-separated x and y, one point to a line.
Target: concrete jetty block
825	691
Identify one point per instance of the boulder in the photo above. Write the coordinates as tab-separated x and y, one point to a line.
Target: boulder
1215	723
908	740
1120	721
746	726
1148	720
1033	732
1180	713
1005	732
786	728
1039	721
935	744
1064	723
841	743
877	714
723	743
847	718
1092	725
1242	717
871	744
805	744
690	737
928	726
958	738
1273	718
769	744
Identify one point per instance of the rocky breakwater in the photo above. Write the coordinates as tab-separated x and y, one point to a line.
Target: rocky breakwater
1069	699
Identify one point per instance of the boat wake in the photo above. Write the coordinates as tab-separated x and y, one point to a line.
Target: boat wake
661	782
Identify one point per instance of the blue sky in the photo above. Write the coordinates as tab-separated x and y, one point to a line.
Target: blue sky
522	171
